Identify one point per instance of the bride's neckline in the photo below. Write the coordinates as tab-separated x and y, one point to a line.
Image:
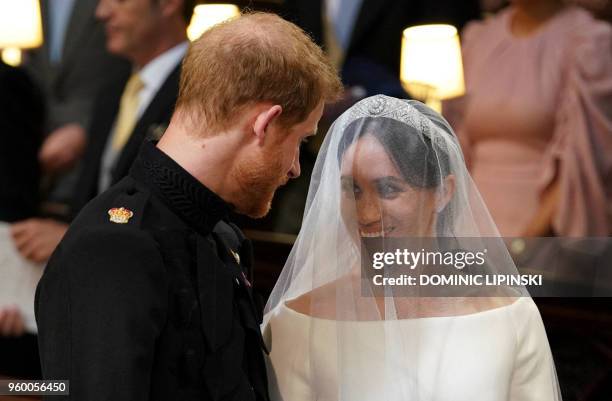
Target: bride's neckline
473	315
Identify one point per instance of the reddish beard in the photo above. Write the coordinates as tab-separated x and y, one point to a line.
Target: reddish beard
257	180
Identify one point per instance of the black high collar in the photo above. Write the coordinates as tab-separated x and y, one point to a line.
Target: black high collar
197	205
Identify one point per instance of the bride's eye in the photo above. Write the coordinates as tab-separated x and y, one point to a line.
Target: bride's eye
387	190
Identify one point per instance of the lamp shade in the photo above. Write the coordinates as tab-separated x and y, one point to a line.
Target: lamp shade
20	25
206	15
431	65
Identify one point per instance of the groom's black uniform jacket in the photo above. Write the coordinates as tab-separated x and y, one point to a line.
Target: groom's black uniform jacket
157	308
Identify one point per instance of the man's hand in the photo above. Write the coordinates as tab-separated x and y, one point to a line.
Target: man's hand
11	323
62	148
36	239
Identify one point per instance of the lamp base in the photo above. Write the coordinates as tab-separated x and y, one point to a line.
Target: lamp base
11	56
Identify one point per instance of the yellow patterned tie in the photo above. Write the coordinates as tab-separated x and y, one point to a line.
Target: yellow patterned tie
128	110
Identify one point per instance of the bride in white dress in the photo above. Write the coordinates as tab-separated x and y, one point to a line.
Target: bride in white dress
392	171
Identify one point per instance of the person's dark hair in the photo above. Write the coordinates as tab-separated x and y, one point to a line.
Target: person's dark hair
422	163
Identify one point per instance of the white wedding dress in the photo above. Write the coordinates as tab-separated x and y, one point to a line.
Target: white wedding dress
389	178
496	355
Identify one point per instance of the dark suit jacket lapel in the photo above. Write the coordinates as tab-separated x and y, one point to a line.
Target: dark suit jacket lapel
44	15
42	54
311	16
106	109
370	11
81	19
158	112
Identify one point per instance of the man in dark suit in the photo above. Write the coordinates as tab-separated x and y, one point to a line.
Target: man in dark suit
158	72
151	34
149	294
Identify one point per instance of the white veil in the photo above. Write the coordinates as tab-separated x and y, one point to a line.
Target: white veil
391	176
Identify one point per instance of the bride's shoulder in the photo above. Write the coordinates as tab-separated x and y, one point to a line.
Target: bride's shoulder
321	301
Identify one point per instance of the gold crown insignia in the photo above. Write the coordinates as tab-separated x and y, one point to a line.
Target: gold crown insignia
120	215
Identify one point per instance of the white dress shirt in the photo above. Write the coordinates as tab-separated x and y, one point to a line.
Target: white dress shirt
153	76
155	73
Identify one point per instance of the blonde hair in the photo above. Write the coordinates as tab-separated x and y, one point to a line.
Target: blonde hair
258	57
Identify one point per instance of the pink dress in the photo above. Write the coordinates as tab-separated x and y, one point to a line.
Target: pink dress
537	107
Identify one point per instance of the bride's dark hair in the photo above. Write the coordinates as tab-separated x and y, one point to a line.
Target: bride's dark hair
421	162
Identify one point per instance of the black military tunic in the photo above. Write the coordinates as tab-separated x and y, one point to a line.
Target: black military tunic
159	307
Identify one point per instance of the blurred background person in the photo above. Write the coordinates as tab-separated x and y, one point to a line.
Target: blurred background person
601	9
536	130
152	35
22	115
71	66
536	120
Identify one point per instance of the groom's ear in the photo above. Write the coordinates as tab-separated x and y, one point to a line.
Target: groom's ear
264	119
